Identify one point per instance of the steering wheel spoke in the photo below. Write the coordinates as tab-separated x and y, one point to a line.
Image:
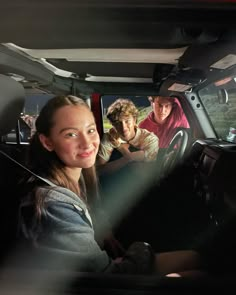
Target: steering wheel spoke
175	151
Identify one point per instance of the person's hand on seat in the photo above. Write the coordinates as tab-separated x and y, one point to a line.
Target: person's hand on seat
136	156
124	149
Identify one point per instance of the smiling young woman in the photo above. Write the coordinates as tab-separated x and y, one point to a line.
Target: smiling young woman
60	211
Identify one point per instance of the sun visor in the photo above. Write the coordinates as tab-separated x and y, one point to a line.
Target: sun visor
215	55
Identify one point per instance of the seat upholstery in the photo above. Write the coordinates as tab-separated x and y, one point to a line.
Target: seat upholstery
12	97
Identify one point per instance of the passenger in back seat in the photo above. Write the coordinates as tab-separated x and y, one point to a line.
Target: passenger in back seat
134	144
164	119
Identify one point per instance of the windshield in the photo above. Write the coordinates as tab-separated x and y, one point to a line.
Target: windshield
219	100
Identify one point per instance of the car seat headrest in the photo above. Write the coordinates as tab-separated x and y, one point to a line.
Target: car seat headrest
12	97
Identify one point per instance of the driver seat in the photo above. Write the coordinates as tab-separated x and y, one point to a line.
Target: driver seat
12	96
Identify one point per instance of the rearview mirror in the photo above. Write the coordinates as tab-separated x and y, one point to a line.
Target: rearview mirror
161	72
190	76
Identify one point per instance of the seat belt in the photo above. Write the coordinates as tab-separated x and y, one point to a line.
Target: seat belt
46	181
28	170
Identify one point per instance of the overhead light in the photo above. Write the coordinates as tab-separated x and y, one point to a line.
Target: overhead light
179	87
226	62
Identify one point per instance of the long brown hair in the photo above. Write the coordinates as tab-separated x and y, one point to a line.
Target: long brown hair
48	165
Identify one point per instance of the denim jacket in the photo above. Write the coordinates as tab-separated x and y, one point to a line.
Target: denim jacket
64	236
65	227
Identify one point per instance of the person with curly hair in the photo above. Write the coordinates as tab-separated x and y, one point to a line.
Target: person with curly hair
133	143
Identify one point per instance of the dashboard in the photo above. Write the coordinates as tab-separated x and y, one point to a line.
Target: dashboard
214	180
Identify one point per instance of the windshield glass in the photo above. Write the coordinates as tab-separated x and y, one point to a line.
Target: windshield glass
219	100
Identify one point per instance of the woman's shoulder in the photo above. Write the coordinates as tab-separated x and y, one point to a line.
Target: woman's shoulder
60	194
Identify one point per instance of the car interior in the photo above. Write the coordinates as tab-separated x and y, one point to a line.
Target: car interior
101	51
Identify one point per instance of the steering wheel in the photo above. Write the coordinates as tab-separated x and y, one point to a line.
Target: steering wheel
175	151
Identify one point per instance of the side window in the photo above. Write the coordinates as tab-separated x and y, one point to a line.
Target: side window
141	103
25	127
219	100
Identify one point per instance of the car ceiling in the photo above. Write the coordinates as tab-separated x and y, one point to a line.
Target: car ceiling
112	24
